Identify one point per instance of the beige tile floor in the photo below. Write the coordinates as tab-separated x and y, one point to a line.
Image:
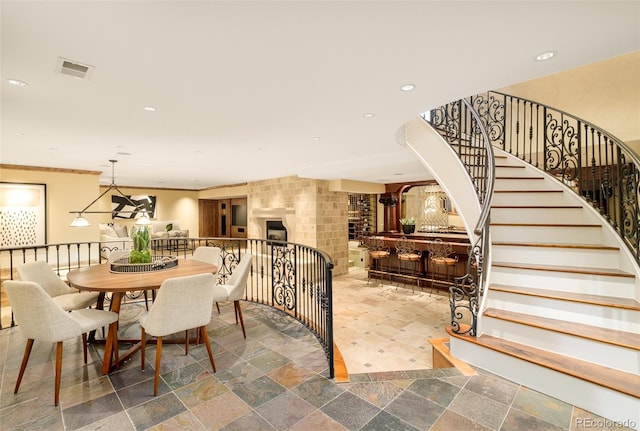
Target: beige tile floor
386	327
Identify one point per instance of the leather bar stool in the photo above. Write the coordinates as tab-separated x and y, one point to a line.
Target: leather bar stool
407	254
440	259
378	256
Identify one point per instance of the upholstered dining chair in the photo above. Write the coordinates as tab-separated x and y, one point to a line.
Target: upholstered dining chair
182	303
68	298
234	288
212	256
40	318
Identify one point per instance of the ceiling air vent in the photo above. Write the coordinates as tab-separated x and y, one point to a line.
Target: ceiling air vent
73	68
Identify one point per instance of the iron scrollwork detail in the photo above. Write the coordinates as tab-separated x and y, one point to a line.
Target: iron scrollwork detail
284	276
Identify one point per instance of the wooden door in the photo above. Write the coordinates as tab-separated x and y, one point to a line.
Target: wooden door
207	217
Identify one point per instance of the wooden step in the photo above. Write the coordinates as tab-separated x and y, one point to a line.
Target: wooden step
599	300
616	380
509	166
550	245
610	272
629	340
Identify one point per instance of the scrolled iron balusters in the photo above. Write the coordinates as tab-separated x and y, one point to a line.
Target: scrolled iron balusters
464	294
284	276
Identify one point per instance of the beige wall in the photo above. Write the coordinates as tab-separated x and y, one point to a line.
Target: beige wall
605	93
181	205
65	191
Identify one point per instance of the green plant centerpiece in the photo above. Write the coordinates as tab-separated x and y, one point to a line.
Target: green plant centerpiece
408	225
140	253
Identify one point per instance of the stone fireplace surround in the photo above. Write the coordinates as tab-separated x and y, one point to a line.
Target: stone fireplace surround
259	217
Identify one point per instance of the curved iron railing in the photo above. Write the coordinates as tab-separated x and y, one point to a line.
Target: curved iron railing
292	278
466	131
596	165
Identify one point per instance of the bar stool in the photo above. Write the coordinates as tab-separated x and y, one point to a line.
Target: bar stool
378	254
407	253
440	258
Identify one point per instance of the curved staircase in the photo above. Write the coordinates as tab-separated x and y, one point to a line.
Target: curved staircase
560	314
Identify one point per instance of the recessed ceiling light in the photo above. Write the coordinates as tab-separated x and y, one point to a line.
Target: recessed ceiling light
315	138
150	108
368	115
123	153
407	87
545	55
17	82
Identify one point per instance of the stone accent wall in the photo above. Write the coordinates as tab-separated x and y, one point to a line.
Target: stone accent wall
320	214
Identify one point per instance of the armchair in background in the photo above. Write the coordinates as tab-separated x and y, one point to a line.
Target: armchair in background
113	237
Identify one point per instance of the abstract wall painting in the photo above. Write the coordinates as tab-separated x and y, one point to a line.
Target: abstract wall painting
122	208
23	214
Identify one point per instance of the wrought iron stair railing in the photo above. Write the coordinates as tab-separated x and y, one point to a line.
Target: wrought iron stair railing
465	131
592	162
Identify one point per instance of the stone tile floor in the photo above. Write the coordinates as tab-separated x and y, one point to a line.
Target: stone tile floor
277	378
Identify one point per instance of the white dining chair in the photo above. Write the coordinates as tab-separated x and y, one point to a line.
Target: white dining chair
40	318
182	303
212	256
68	298
234	288
207	254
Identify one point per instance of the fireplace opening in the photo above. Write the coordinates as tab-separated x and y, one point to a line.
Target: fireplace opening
276	230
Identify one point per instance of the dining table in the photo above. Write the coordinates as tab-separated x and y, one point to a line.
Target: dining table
102	278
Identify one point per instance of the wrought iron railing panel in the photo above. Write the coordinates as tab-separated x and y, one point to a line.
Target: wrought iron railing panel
293	278
472	136
593	163
600	168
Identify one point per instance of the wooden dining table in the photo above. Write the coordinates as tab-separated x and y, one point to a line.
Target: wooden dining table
100	278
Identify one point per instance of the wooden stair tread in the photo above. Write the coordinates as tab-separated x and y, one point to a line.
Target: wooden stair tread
616	380
509	166
557	245
547	224
629	340
612	272
600	300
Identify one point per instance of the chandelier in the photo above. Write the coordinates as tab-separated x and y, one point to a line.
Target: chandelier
81	221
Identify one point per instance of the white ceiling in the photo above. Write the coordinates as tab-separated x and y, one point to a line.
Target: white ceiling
253	90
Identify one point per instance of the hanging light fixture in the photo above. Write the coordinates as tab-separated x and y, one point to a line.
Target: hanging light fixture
81	221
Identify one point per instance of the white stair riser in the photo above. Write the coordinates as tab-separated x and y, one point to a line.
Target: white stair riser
519	184
537	215
532	199
621	287
586	258
608	355
588	396
504	171
545	234
588	314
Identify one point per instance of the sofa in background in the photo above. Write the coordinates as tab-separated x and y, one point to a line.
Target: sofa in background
114	237
167	229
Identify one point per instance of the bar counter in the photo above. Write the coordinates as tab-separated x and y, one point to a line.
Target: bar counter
422	272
